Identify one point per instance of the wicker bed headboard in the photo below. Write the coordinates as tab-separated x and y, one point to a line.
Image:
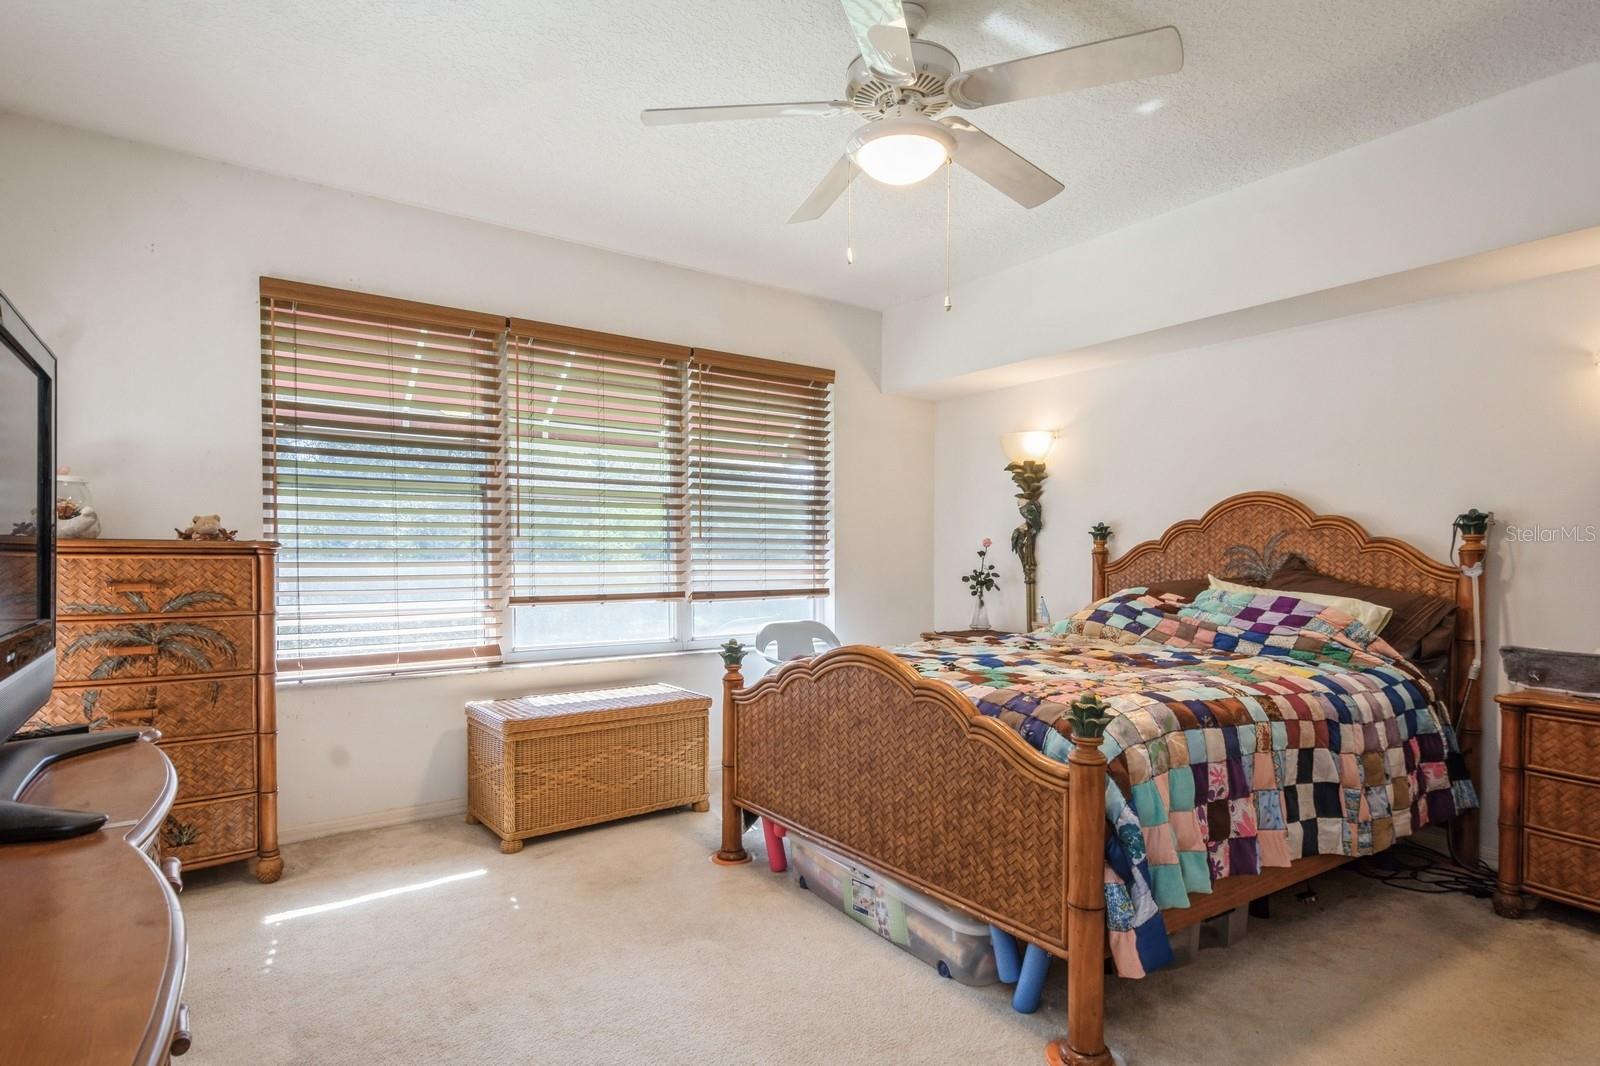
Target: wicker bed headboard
1257	529
1246	535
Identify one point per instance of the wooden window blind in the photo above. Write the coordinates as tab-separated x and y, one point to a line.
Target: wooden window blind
760	486
427	467
595	465
382	424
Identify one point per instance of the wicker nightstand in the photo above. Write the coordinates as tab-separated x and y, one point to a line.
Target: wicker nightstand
1549	799
540	764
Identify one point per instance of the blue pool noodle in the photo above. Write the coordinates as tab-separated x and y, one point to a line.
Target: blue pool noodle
1030	982
1005	954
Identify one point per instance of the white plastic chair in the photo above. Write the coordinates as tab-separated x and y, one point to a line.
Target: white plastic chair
794	640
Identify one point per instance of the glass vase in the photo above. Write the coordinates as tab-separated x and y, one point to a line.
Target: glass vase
980	616
76	516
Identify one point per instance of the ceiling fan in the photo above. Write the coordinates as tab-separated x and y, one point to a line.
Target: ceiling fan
900	82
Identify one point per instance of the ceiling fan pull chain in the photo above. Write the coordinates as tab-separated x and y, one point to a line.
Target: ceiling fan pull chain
947	234
849	214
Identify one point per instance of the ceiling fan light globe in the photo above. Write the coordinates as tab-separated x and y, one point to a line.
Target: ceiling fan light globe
901	151
902	159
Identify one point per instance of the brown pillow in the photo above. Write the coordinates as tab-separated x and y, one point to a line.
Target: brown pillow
1186	588
1422	626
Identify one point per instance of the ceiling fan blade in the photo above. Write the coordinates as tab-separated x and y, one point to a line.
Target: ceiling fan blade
1138	55
667	116
885	42
999	165
832	186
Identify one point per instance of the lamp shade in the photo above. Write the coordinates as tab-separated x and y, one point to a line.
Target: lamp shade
901	149
1027	446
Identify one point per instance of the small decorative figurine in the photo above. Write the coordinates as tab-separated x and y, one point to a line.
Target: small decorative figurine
206	527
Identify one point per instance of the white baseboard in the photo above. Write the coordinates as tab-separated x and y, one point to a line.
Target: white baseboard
375	820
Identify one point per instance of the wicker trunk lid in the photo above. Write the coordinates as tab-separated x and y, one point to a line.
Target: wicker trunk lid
524	715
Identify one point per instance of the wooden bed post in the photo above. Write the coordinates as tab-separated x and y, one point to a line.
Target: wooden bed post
1085	1044
1507	899
732	852
1474	525
1101	533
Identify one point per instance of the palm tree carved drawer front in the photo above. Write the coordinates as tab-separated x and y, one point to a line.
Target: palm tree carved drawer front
177	708
202	832
154	584
154	646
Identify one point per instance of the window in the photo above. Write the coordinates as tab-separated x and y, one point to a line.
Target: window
381	457
596	468
434	473
758	479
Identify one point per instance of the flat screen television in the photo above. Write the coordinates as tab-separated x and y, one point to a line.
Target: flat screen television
27	521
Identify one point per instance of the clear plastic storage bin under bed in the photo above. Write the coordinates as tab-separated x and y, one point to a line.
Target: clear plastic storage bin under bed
955	943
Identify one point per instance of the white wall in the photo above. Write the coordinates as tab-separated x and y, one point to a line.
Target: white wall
1500	172
139	267
1400	419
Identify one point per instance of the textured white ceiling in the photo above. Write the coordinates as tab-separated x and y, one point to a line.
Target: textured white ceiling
525	112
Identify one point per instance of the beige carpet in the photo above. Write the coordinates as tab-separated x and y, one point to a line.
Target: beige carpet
622	944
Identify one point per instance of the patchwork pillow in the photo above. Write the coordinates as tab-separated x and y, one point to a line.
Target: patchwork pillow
1126	615
1421	627
1259	621
1373	615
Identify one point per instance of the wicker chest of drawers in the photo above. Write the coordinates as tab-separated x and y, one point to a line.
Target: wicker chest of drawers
1549	799
177	635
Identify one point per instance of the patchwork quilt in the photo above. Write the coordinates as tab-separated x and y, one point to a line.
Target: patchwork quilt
1247	731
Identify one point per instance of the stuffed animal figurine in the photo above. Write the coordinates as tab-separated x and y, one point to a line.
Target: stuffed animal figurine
206	527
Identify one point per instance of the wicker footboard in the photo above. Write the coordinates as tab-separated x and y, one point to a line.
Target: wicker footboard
854	749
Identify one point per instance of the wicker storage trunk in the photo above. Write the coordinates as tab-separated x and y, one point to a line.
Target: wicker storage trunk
539	764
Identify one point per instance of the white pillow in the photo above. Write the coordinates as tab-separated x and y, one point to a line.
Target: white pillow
1372	615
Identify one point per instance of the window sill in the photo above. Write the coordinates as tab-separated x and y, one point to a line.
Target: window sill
451	671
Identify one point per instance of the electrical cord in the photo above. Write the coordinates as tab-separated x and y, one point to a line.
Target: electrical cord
1416	867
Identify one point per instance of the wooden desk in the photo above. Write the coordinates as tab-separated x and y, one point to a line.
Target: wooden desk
91	938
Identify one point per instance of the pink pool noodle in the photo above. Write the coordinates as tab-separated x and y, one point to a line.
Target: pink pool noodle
776	859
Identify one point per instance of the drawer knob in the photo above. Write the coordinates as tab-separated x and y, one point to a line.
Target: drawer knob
181	1037
140	715
172	870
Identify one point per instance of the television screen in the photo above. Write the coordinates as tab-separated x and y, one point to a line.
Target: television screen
27	521
22	388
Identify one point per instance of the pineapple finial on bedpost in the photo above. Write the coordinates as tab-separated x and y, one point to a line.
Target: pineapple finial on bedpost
732	654
1101	554
1089	717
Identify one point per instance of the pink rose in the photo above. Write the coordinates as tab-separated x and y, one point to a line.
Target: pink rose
987	542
